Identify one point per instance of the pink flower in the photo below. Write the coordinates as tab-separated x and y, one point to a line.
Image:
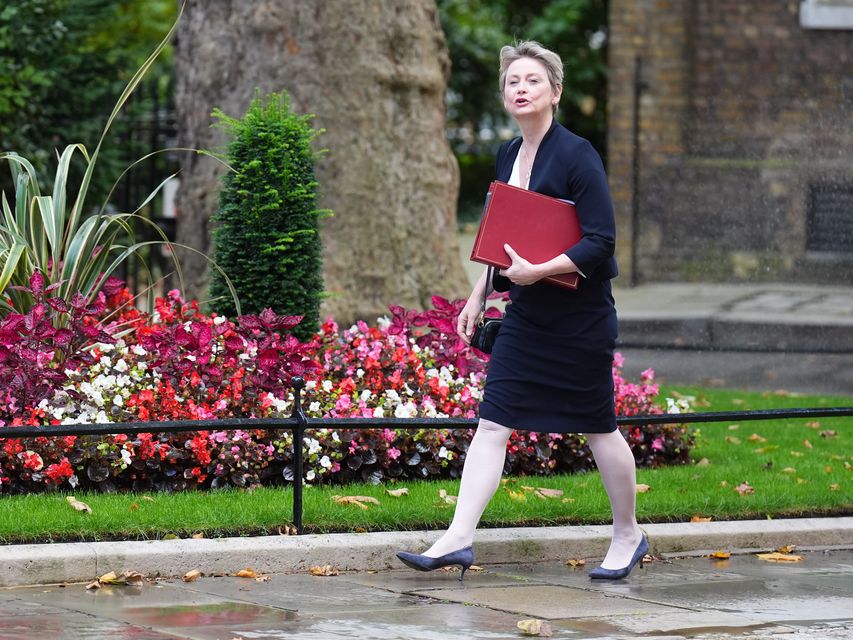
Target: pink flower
657	444
394	453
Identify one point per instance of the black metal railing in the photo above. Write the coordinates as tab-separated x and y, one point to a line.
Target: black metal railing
298	423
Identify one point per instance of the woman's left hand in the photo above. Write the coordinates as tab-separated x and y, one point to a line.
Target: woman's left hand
520	271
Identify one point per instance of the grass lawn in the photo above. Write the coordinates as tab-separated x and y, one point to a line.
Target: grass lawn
793	467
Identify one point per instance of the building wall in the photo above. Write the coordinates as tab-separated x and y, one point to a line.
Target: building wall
745	118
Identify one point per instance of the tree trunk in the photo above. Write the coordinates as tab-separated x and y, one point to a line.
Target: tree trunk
374	72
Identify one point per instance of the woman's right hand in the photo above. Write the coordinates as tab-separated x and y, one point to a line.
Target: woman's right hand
468	318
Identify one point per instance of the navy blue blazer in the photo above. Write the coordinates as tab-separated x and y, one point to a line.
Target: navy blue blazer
567	166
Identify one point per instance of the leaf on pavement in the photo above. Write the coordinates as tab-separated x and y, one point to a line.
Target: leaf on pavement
191	576
788	548
325	570
720	555
538	628
575	562
643	488
359	501
779	557
397	493
130	578
246	573
744	488
77	505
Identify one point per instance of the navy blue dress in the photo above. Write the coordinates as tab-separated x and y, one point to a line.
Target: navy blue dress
551	364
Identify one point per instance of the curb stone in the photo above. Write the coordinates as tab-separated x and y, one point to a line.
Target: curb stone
83	561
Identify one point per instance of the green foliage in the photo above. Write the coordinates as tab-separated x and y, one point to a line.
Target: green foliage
62	65
51	233
267	240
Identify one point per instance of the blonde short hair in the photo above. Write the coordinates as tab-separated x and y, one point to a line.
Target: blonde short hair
532	49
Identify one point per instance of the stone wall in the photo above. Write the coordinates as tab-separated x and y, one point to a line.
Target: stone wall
744	114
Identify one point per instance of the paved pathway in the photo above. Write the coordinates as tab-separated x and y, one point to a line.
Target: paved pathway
672	598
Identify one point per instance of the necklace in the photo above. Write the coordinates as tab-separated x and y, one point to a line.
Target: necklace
529	167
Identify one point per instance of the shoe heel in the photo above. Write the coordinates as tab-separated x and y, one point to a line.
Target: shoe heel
464	569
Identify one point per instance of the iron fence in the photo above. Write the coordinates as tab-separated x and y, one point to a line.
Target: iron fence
299	423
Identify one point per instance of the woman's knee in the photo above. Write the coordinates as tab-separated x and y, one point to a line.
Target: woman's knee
493	428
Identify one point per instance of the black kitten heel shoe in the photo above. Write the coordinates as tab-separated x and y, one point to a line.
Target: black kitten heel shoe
463	557
617	574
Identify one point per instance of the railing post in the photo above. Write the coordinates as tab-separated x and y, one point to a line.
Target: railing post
298	438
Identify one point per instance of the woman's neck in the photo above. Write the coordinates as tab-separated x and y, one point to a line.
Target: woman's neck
533	130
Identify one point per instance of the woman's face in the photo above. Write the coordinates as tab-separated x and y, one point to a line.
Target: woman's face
527	90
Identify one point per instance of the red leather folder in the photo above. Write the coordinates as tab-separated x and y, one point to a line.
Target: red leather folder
538	227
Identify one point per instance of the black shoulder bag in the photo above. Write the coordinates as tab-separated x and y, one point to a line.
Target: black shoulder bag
487	328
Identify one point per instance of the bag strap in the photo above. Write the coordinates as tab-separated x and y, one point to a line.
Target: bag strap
486	291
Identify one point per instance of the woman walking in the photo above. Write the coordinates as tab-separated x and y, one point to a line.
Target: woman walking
551	364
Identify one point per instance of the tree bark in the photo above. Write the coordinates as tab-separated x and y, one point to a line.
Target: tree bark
374	72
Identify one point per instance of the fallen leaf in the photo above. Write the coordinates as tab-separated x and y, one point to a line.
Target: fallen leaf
767	449
567	500
801	481
191	576
704	462
737	401
542	492
782	393
734	427
358	501
575	562
170	536
643	488
788	548
744	488
796	454
397	493
827	469
516	495
732	440
789	470
77	505
700	519
828	433
779	557
134	506
147	498
724	483
360	530
756	438
449	499
720	555
246	573
94	585
814	424
807	444
834	486
325	570
131	578
535	628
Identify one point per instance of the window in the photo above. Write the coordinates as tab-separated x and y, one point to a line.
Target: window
826	14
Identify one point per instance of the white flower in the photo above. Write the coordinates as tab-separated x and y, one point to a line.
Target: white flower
366	395
310	475
392	395
383	322
314	407
407	410
416	349
218	320
118	400
311	384
125	456
313	445
327	385
442	453
190	357
105	361
138	350
335	436
121	366
102	418
379	412
325	462
105	347
359	373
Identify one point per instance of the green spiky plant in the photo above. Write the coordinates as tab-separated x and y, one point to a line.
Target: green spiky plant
73	245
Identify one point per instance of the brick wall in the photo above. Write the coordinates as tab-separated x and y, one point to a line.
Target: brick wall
743	110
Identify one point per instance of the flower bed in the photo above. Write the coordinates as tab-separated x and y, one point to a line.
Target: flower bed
115	364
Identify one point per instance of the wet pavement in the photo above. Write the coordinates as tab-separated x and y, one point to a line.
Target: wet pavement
693	597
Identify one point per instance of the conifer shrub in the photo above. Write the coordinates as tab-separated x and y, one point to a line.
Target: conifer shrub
267	240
